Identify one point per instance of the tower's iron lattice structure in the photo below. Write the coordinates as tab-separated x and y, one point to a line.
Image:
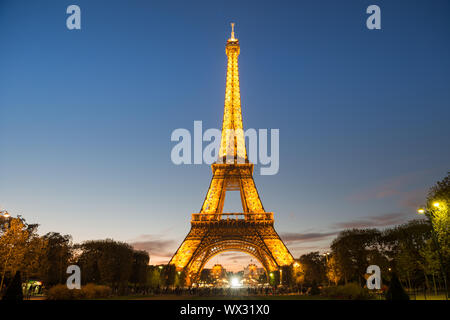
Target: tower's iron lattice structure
212	230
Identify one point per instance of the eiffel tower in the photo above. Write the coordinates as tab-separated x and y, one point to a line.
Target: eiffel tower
212	230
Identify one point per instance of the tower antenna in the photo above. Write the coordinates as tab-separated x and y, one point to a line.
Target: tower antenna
232	31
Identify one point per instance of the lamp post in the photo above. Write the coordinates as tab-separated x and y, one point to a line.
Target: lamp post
430	215
5	214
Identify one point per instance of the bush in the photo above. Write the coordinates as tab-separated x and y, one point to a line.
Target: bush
59	292
351	291
89	291
93	291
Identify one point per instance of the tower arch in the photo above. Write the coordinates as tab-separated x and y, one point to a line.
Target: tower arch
200	259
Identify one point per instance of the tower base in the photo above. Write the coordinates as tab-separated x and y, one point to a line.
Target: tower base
252	233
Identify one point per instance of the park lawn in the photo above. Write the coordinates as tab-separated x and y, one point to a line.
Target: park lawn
429	297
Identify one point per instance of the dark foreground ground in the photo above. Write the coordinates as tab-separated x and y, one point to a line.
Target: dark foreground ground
256	297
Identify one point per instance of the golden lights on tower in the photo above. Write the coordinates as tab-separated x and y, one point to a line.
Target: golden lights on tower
212	230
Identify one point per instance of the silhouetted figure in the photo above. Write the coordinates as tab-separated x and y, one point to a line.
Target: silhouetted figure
14	290
314	288
395	290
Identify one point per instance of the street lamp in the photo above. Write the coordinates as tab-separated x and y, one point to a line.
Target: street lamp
430	215
5	214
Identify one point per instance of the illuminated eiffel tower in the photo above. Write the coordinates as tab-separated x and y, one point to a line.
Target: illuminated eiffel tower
212	230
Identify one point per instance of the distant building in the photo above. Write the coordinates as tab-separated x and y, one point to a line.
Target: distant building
218	272
252	272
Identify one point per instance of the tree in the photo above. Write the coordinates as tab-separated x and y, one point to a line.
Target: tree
169	275
154	277
438	212
334	272
353	249
287	276
313	266
180	279
56	258
20	247
106	262
430	262
298	274
139	268
404	245
274	278
440	194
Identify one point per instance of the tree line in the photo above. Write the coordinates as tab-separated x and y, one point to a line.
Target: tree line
408	250
46	258
405	249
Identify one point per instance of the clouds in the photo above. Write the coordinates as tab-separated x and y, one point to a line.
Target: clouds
300	243
155	245
288	237
376	221
407	190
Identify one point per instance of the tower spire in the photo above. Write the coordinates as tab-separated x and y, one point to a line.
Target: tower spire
232	145
232	32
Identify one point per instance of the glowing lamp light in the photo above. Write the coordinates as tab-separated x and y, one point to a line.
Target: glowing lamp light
436	204
421	210
235	282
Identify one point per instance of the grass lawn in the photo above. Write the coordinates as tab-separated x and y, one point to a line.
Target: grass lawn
428	297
